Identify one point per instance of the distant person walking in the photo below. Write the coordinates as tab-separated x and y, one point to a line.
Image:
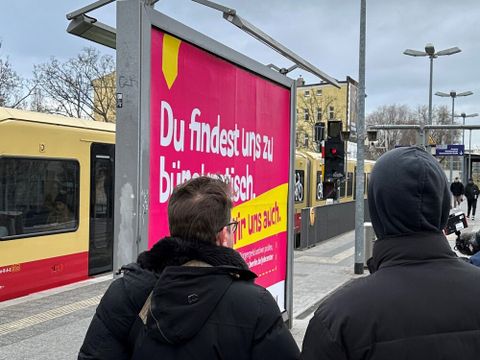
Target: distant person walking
457	191
471	193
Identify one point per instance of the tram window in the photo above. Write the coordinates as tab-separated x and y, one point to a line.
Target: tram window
343	183
38	196
350	184
319	187
355	183
299	186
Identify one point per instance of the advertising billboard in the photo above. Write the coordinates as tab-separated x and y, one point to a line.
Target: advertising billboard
211	116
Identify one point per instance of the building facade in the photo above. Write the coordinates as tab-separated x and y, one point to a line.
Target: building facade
323	102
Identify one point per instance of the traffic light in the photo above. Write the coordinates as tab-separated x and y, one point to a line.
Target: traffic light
334	152
334	158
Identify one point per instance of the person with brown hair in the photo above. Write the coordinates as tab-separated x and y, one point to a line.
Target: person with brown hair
191	296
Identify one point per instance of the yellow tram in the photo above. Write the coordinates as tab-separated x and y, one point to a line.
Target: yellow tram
56	200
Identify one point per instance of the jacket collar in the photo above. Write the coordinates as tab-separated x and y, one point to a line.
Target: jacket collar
172	251
410	248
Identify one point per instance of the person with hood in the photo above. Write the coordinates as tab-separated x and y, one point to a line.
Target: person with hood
191	296
471	193
419	302
457	190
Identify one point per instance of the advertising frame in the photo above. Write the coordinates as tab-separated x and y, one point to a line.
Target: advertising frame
135	21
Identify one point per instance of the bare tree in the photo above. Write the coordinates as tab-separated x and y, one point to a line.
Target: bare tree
82	86
310	110
402	114
388	139
11	85
441	116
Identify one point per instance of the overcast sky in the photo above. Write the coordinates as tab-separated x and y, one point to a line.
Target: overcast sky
324	32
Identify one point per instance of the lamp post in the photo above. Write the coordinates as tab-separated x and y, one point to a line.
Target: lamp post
453	94
463	115
430	52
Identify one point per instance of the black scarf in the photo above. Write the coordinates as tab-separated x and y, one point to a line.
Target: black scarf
172	251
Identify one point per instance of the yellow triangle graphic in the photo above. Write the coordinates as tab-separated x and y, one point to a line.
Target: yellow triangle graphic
170	59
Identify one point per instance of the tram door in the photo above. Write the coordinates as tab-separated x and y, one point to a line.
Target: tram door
101	208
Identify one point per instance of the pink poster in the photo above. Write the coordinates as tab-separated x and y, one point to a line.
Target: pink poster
209	116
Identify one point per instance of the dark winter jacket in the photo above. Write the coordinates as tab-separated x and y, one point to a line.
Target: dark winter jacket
209	308
418	303
471	191
457	188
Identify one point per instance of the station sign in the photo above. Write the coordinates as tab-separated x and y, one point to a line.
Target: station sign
450	150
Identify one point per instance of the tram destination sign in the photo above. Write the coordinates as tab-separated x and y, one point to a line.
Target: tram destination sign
450	150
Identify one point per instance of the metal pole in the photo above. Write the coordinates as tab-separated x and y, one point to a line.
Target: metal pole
464	173
231	16
423	136
430	92
451	138
470	154
359	196
463	156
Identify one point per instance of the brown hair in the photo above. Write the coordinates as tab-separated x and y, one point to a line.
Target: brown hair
199	209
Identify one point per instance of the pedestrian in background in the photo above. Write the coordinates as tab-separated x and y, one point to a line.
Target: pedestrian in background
419	300
191	296
471	193
457	191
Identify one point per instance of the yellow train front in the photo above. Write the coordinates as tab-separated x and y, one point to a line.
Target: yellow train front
311	188
56	200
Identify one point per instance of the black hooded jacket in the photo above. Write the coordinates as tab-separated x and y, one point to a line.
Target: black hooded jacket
471	191
421	300
202	304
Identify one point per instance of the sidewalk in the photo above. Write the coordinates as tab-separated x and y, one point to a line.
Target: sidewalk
317	272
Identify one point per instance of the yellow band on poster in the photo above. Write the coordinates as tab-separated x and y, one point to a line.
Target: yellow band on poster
262	217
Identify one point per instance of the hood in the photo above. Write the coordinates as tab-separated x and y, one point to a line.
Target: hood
408	193
185	297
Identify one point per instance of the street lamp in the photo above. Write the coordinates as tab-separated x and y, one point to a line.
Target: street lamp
453	94
430	52
463	115
89	28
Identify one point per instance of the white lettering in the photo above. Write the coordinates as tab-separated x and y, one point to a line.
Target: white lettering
166	138
169	128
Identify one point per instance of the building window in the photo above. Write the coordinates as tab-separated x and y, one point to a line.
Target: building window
331	112
319	114
306	114
38	196
305	139
306	93
319	92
